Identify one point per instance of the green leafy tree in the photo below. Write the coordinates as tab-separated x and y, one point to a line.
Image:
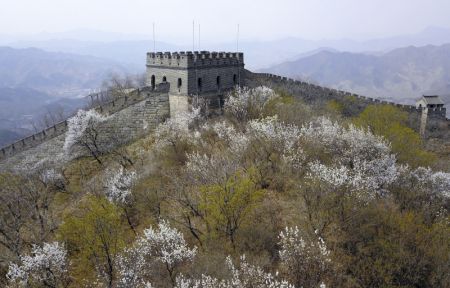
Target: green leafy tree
95	233
391	122
228	205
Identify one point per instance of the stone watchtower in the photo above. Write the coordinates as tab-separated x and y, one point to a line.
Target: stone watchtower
194	75
433	113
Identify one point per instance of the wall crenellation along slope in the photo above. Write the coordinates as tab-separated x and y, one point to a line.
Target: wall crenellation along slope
334	92
146	94
149	106
430	122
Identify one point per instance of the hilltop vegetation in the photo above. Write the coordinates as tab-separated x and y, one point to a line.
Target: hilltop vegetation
273	193
401	75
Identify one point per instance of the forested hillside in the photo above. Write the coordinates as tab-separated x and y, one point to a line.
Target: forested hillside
274	192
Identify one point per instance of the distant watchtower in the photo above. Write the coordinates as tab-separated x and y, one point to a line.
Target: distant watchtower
433	111
191	75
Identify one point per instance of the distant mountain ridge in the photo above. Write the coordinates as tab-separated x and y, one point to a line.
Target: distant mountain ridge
54	73
33	82
401	75
131	49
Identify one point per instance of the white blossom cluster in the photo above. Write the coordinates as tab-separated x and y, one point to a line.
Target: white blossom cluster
239	103
46	264
283	137
176	128
359	159
244	276
78	124
236	141
295	248
165	246
118	185
206	169
426	180
298	255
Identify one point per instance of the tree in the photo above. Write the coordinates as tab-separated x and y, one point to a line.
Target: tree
95	235
245	104
26	215
165	246
118	185
227	205
391	123
243	276
84	135
306	263
47	266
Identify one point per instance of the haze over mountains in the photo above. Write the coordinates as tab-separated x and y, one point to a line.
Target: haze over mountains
61	67
131	49
33	82
401	75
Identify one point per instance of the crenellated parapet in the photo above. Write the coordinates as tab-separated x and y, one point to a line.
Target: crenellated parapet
335	93
430	121
196	59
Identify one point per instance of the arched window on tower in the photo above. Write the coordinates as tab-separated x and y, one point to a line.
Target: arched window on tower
234	79
199	84
164	79
179	83
218	82
152	82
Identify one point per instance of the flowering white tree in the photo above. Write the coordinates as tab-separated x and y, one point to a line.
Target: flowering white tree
118	185
176	129
83	133
235	141
165	246
305	262
283	137
46	266
243	276
359	159
246	103
438	183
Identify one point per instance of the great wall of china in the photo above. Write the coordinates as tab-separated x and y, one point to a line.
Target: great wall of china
142	110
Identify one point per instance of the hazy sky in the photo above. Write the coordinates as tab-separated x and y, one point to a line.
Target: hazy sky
263	19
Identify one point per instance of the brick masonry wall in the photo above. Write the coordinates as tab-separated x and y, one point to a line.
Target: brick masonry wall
144	109
436	125
130	117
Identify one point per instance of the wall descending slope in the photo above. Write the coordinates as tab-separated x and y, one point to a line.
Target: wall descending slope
143	109
131	117
435	128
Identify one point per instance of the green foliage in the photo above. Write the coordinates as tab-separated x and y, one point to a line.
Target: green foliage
397	238
335	107
391	123
228	206
274	105
94	234
385	248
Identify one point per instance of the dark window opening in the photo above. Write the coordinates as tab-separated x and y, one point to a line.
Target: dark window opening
153	81
235	79
218	82
179	83
164	79
199	84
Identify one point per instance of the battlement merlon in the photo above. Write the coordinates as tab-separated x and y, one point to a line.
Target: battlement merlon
196	59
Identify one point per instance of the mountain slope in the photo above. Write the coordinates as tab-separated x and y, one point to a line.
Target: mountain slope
402	75
59	74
